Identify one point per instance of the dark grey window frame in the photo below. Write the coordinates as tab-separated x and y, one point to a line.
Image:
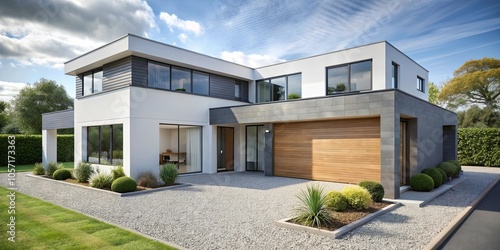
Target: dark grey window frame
179	141
421	84
93	87
349	76
270	79
395	75
99	142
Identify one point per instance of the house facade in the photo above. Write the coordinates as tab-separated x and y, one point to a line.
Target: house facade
356	114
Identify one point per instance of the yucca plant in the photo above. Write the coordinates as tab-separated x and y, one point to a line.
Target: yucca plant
101	180
312	207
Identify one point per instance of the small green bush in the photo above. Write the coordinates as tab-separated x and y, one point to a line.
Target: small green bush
101	180
376	189
124	184
83	171
336	201
292	96
357	197
457	166
117	172
147	179
61	174
435	175
444	177
52	167
169	173
449	168
421	183
312	207
38	169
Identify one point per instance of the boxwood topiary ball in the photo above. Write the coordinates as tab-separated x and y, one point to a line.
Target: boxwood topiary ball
457	166
444	177
124	184
435	175
449	168
376	189
61	174
421	182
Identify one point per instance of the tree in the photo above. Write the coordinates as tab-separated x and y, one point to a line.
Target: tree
4	120
475	82
43	97
475	117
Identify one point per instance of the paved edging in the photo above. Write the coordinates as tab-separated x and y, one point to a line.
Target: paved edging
437	241
339	232
111	192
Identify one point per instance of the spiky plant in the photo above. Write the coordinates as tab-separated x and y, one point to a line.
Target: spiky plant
312	207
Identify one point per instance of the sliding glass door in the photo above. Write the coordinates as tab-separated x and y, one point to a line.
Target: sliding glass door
255	142
181	145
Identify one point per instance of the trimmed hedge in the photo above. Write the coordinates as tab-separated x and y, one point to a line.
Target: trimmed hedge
29	148
479	146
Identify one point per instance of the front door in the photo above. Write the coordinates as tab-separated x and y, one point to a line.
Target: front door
255	142
225	149
404	153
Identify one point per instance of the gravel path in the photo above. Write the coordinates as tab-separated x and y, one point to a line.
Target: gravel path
237	211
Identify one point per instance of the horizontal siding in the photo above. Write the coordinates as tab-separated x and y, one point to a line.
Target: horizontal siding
345	151
117	74
222	87
58	120
79	86
139	71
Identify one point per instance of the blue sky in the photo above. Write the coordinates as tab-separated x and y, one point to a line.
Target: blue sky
37	37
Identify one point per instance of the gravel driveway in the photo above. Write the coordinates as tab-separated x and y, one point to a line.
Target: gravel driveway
237	211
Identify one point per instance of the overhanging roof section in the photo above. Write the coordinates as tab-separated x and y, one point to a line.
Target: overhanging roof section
58	119
132	45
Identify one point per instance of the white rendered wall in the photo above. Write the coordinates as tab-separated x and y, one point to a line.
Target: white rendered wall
408	72
313	69
49	146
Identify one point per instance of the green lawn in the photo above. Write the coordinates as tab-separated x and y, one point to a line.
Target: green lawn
29	167
42	225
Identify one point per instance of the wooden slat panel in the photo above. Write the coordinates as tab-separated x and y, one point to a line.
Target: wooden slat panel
339	150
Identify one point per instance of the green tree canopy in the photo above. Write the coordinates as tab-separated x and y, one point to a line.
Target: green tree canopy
475	82
476	117
43	97
3	115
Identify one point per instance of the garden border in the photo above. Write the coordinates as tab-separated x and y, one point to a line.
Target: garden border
111	192
340	231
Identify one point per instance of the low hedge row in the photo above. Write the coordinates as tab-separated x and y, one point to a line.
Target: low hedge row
28	148
479	146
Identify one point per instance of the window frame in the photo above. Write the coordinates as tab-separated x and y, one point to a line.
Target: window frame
99	139
349	76
92	73
269	80
395	76
420	84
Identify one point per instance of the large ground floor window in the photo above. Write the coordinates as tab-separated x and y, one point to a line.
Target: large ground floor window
105	144
181	145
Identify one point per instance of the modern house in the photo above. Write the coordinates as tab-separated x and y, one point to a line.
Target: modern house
357	114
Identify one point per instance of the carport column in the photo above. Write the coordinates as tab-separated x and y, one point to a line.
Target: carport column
268	150
49	146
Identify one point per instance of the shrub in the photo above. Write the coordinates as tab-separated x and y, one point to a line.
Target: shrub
292	96
457	166
421	182
39	169
312	207
169	173
449	168
336	201
375	189
29	148
357	197
479	146
83	172
124	184
147	179
435	175
117	172
61	174
444	177
52	167
101	180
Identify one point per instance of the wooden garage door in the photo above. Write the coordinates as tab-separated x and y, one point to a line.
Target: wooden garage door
338	150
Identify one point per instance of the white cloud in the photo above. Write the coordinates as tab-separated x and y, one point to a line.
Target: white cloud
8	90
183	37
252	60
48	33
185	25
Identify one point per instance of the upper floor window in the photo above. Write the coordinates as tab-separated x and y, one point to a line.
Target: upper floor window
420	84
395	75
200	83
158	75
349	77
237	91
279	88
92	82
